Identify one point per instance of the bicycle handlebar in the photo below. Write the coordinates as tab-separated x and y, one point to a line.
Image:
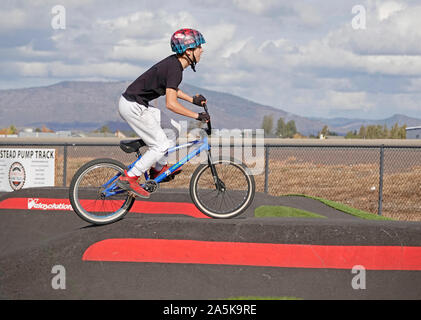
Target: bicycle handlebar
209	129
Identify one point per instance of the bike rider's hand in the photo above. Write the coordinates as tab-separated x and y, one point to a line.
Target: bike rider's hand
203	116
199	100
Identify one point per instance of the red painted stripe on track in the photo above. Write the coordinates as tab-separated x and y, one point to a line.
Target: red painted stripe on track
147	207
167	208
255	254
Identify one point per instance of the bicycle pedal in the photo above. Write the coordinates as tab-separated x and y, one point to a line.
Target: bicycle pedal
171	176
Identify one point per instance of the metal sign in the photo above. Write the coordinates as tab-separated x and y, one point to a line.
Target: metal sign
26	168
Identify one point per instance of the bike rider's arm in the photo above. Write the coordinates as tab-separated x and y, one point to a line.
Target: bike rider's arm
184	96
173	104
198	99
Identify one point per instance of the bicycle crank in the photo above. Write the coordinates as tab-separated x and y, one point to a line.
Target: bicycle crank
151	186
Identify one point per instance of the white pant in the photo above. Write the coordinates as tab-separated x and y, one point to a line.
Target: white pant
146	122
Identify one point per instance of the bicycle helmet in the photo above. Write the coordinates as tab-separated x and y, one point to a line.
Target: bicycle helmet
184	39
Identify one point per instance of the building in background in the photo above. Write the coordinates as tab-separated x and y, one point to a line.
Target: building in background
413	132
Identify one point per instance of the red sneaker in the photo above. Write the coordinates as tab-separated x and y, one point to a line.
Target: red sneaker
130	184
155	173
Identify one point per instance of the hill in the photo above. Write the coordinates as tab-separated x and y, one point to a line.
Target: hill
86	106
344	125
77	105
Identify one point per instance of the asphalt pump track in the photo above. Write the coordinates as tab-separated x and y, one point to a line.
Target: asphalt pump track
165	249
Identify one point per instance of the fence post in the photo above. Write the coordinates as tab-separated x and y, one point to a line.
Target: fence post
266	169
65	165
381	180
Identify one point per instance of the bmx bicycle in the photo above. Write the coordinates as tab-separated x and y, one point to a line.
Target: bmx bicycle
219	188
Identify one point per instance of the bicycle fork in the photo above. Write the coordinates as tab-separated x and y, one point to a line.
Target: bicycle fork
219	184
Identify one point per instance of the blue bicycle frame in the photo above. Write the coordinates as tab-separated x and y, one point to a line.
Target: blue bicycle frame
110	185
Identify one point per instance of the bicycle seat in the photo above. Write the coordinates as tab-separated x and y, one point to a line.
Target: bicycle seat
130	146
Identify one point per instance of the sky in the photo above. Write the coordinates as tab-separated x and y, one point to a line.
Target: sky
319	58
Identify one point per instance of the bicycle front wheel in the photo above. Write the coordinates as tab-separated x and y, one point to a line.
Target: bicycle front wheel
227	197
94	195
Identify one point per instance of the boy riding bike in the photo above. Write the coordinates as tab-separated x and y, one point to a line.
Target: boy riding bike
161	79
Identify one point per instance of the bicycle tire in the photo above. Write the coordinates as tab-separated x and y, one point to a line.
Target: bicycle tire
77	201
208	209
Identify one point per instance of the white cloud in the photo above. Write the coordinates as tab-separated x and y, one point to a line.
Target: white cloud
255	6
388	8
24	69
133	50
12	19
143	24
219	38
321	55
347	101
113	70
414	85
392	28
60	70
139	23
238	77
25	53
308	15
235	47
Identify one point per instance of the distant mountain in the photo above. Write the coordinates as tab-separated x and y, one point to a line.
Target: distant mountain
78	105
344	125
87	106
69	105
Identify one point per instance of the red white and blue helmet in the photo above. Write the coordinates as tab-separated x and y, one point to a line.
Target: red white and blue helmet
184	39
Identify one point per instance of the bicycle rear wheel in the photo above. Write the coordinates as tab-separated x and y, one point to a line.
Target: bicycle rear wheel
234	194
93	194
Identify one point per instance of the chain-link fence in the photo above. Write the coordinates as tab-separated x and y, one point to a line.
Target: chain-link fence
378	179
382	180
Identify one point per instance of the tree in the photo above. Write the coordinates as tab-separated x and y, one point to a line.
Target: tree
12	130
287	130
362	133
267	125
324	131
351	135
372	132
385	132
394	132
281	128
291	129
104	129
379	132
402	132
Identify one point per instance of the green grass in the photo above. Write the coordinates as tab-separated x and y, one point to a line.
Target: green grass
344	208
281	211
263	298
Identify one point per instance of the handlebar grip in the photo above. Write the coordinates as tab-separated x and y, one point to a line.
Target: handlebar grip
209	130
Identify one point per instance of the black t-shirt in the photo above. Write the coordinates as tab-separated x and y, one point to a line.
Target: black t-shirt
167	73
